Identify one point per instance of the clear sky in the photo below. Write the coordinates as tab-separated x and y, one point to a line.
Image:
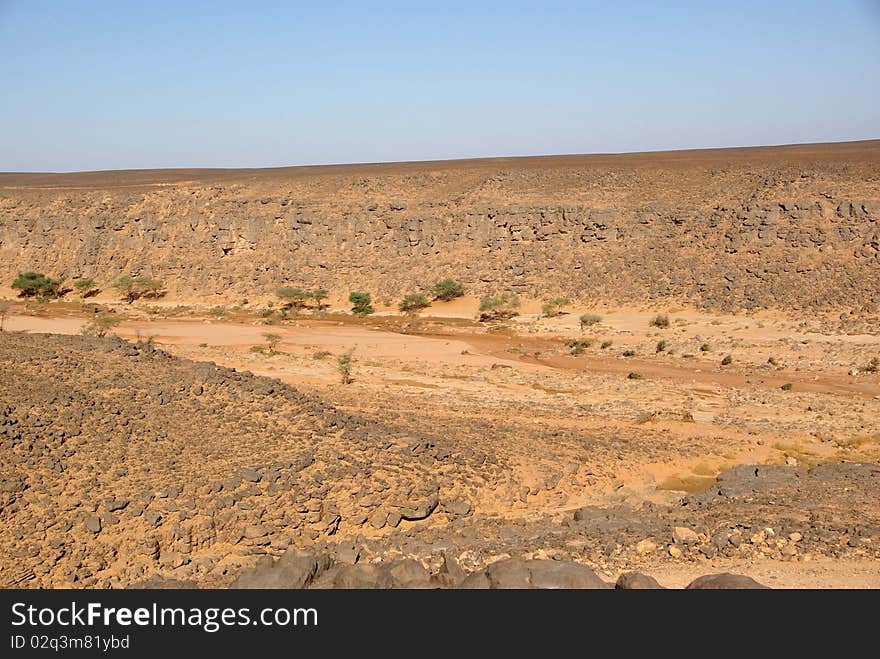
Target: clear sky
117	84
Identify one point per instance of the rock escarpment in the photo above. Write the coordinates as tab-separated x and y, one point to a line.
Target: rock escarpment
788	228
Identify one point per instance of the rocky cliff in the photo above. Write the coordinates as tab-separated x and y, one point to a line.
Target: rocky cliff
783	227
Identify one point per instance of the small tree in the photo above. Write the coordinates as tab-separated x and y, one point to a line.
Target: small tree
134	288
499	307
413	303
588	319
319	295
86	287
295	298
272	341
36	284
552	307
447	289
361	303
344	363
100	325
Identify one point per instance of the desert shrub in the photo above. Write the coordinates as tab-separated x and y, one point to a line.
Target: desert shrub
134	288
786	387
86	287
36	284
577	347
872	366
293	298
100	325
727	360
344	364
661	321
447	289
361	303
318	296
634	376
552	307
321	354
588	319
661	346
629	353
499	307
772	361
272	340
705	348
413	303
606	344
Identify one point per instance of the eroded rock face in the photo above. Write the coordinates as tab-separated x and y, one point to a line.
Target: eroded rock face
787	229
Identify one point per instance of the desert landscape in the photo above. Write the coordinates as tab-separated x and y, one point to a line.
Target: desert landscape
543	372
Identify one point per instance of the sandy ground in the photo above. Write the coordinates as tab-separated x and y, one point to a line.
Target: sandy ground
651	438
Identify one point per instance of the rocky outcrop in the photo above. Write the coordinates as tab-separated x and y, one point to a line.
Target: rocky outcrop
782	232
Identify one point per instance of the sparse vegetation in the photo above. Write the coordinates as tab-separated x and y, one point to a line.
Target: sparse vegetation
86	287
661	346
872	366
321	354
553	307
499	307
589	319
634	376
629	353
272	340
578	347
606	344
705	347
786	387
36	284
100	325
727	360
772	361
413	303
661	321
134	288
447	289
293	298
344	364
361	303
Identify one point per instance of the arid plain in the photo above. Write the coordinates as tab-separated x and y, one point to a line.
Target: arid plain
683	380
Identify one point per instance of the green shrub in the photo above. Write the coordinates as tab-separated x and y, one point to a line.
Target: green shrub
787	386
447	289
588	319
661	346
86	287
361	303
413	303
606	344
134	288
772	361
552	307
499	307
293	298
705	348
319	295
629	353
321	354
36	284
727	360
634	376
872	366
661	321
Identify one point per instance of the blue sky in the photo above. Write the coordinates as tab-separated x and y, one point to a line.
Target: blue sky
105	85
